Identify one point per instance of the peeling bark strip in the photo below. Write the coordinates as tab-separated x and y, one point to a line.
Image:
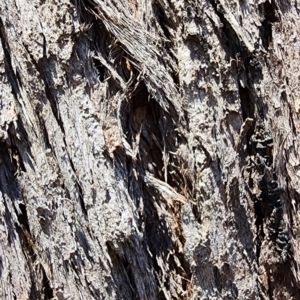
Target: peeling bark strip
149	149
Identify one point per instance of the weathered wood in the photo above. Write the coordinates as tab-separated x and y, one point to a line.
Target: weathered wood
149	149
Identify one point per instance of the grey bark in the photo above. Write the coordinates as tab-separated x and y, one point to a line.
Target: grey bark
149	149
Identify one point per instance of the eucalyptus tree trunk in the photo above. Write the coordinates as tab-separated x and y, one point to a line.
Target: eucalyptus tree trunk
149	149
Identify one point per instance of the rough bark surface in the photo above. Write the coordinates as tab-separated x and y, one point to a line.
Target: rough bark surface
149	149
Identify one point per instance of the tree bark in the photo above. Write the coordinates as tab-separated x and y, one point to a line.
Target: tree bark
149	149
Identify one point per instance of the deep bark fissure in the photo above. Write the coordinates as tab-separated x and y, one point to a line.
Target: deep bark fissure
8	65
270	13
47	290
140	116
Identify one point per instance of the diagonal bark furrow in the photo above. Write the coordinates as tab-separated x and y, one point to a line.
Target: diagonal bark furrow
122	276
8	65
145	49
140	119
269	210
45	68
40	284
270	12
268	205
150	133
